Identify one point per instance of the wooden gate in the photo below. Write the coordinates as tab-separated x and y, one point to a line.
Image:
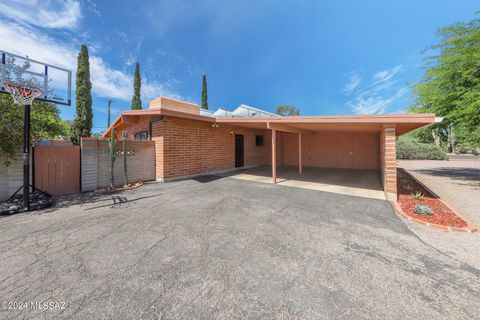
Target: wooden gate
57	169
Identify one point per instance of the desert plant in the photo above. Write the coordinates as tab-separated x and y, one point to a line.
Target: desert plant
418	195
423	209
125	135
112	142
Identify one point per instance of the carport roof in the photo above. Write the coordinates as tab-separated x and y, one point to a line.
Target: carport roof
351	123
295	124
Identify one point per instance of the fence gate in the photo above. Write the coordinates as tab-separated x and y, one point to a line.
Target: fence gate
57	168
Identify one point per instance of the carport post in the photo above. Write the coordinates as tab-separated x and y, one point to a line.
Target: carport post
299	153
274	156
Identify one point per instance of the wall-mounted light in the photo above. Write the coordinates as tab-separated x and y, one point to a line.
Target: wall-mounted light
215	125
232	133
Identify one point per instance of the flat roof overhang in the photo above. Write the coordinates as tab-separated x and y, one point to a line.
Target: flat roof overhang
345	123
372	123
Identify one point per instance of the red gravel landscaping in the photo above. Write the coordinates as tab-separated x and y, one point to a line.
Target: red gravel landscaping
442	215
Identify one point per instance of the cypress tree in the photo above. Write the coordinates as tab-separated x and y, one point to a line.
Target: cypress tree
137	83
204	93
82	125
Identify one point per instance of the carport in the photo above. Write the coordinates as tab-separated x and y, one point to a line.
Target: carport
343	144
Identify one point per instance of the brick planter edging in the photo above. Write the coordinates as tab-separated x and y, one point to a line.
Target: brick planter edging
470	227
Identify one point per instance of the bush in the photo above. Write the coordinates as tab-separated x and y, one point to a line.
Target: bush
411	149
423	209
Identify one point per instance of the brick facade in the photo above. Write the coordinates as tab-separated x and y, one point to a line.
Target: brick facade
388	161
186	147
188	144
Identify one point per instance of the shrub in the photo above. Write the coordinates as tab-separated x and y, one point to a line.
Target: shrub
423	209
418	196
411	149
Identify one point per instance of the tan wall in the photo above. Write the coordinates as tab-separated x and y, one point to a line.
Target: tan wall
329	150
96	163
11	177
388	162
175	105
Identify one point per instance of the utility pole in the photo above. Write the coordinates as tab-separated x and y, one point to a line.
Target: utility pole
109	103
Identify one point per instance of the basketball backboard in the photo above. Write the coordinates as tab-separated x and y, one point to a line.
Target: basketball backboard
55	82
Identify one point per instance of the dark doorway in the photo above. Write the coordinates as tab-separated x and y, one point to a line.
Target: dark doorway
238	150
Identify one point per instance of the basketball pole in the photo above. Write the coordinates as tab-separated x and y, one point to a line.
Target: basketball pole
26	158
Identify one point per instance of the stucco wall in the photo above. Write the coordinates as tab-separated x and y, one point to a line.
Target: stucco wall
11	177
329	150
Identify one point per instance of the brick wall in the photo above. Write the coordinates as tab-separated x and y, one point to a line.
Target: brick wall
388	161
187	147
96	163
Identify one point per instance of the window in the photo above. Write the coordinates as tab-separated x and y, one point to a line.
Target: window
259	141
141	135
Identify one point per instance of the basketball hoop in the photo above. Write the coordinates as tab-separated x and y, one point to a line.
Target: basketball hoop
22	94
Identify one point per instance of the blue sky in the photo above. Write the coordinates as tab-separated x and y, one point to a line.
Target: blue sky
325	57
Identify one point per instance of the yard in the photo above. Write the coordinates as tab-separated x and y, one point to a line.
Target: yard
227	248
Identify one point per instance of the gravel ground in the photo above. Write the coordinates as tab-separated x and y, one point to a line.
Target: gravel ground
458	182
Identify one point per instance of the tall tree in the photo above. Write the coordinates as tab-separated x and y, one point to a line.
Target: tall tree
82	125
137	84
451	84
287	110
204	93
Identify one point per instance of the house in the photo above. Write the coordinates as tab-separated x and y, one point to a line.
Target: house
190	141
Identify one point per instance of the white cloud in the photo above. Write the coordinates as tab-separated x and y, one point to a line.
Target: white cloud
366	104
378	96
386	75
352	84
52	14
106	81
92	6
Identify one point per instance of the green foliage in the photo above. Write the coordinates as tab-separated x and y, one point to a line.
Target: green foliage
423	209
204	93
418	196
408	148
112	142
451	84
137	84
287	110
45	124
82	125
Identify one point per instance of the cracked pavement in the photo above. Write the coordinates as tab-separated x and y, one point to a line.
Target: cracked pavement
228	249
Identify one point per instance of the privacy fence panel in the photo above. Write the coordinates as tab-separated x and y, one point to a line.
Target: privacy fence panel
57	169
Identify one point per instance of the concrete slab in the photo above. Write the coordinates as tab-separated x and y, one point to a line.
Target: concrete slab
359	183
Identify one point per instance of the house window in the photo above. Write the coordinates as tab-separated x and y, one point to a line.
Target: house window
259	141
141	135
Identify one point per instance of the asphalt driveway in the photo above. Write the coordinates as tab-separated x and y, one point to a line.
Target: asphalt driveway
228	249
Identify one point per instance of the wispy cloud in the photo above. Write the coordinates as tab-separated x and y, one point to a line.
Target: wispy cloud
386	75
379	95
374	104
352	84
92	6
53	14
106	81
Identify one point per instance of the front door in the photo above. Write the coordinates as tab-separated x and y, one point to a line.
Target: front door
238	150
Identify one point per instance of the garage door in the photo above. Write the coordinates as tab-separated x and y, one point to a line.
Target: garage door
343	150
